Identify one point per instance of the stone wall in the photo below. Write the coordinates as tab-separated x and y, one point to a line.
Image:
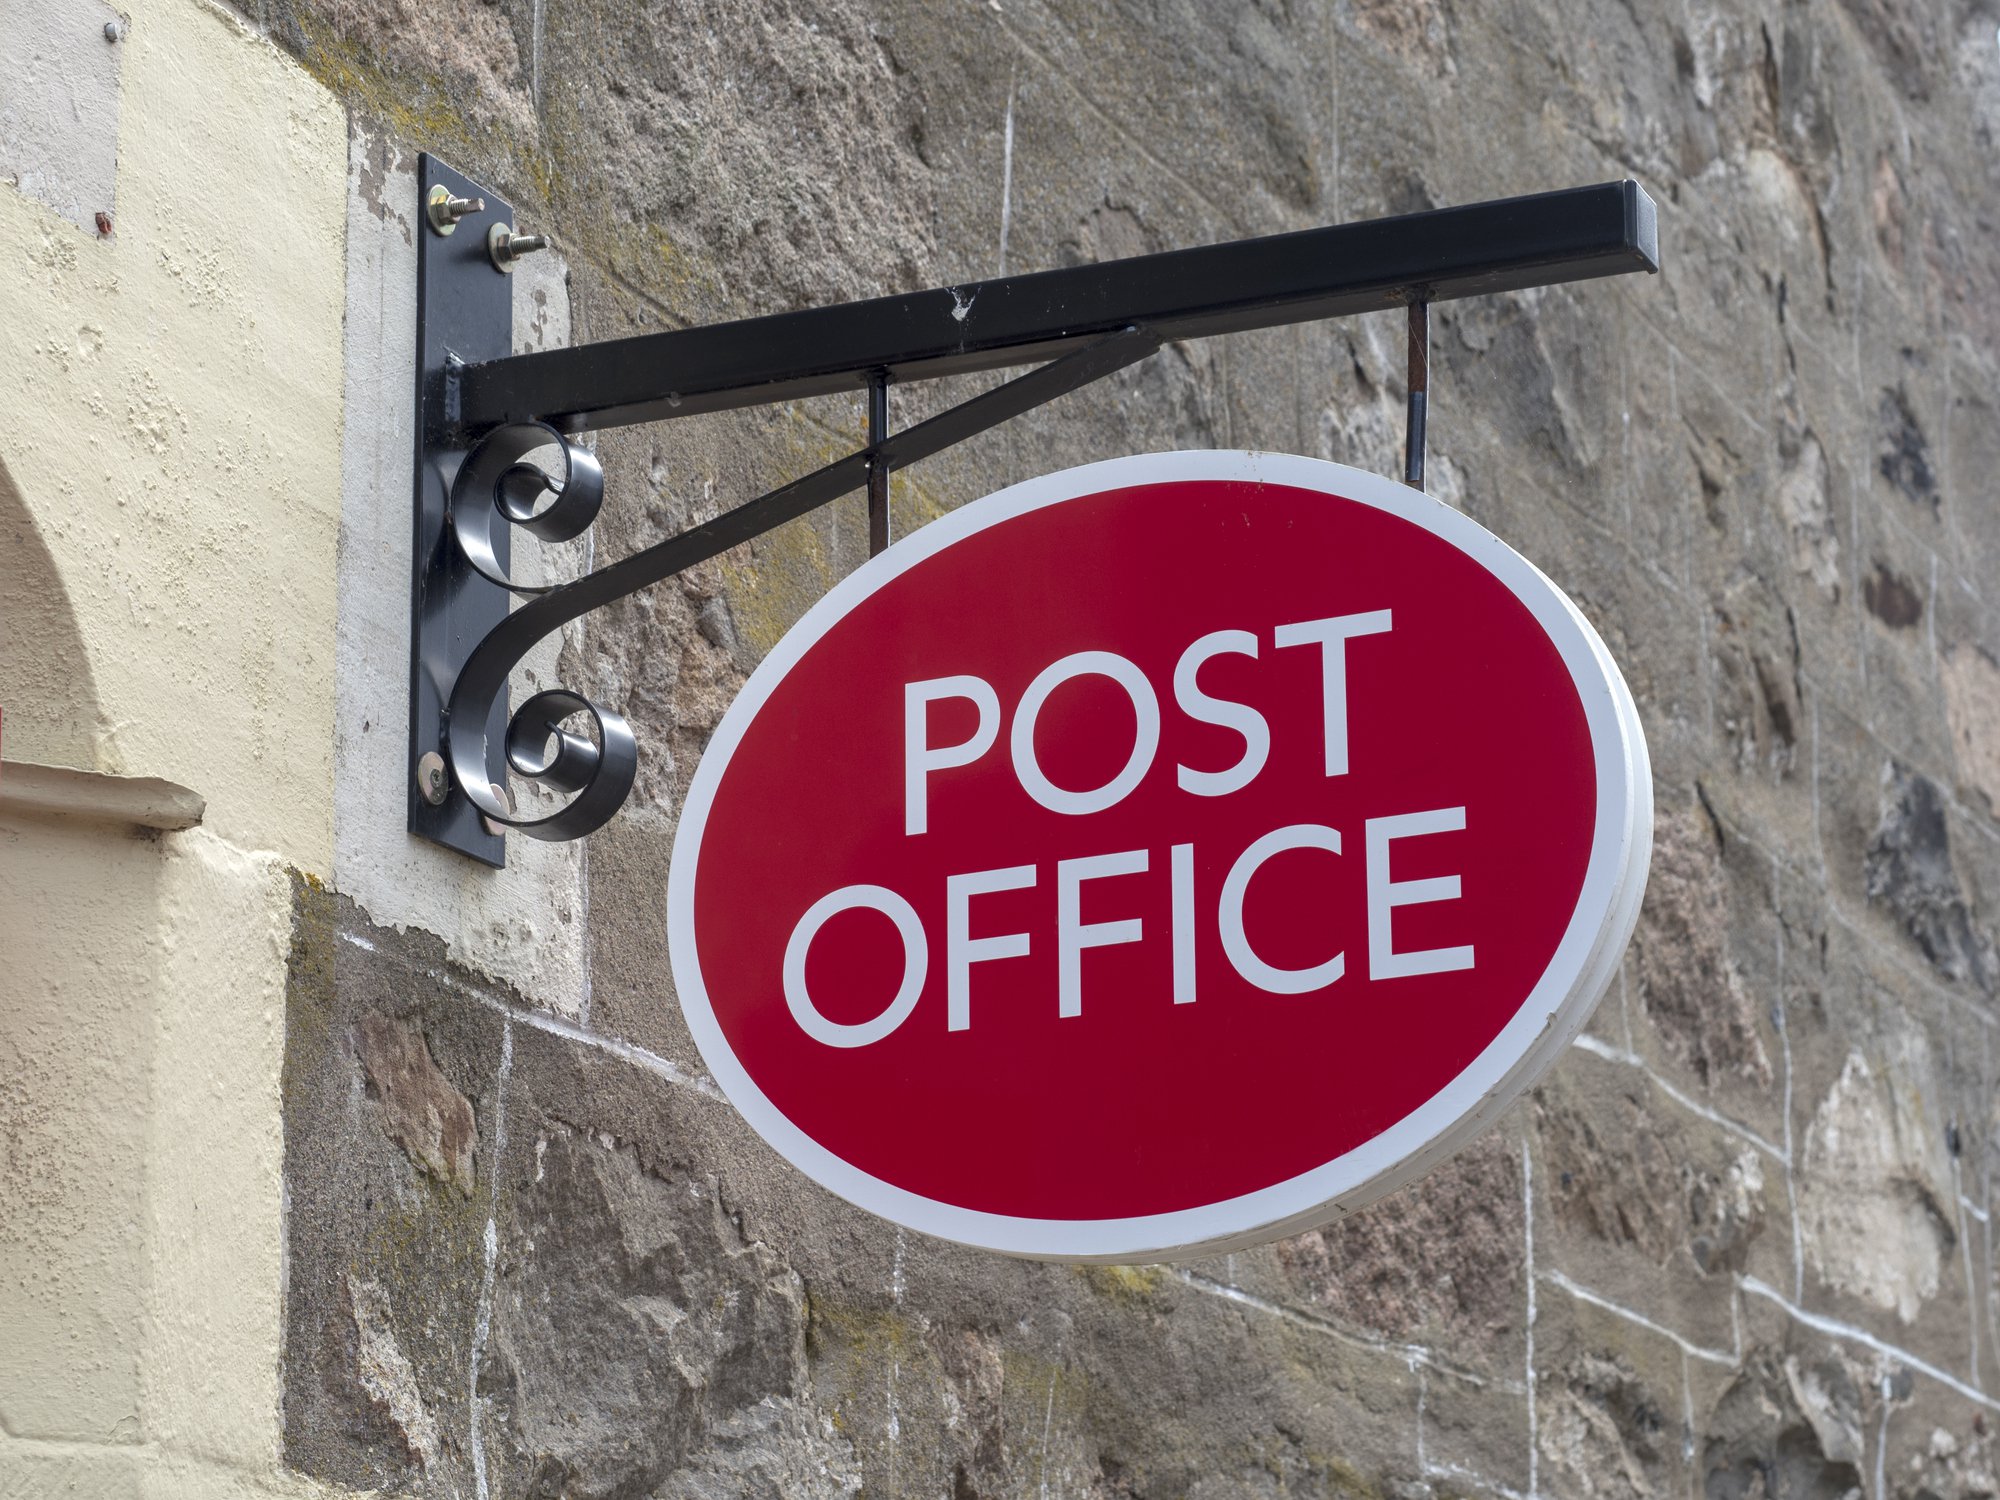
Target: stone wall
1737	1245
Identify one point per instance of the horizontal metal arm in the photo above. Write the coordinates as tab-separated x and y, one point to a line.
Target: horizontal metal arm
1446	253
497	448
603	774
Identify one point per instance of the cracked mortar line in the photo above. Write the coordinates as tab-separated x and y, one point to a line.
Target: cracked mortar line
1687	1429
1473	1477
1984	1215
1817	1322
894	1424
1882	1446
628	1052
1728	1360
483	1320
536	32
1459	1472
1965	1249
1528	1262
1819	840
1115	127
1781	1015
1416	1354
1006	177
1048	1426
1890	954
1600	1048
1945	994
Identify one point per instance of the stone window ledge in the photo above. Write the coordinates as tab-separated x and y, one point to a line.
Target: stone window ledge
61	791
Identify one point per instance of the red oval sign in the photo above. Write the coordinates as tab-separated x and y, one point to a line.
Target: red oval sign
1159	856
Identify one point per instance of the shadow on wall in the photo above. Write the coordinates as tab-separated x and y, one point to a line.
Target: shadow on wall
47	694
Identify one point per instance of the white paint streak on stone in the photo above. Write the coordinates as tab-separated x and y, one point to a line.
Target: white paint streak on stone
483	1321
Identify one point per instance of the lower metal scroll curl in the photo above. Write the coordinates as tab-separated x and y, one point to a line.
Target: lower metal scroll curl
499	482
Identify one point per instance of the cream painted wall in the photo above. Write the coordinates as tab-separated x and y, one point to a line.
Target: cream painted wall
171	399
170	437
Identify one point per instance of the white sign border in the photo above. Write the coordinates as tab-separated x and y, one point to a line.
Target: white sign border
1585	961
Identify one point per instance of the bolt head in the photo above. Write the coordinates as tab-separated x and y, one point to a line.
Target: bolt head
433	784
443	209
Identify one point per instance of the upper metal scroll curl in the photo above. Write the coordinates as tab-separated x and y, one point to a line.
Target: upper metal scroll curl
499	482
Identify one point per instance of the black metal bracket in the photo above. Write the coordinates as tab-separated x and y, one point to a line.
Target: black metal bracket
465	313
495	433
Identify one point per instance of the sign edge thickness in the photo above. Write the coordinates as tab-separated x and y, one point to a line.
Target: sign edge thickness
1585	962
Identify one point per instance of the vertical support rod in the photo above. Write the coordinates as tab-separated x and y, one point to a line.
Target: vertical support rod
1420	389
878	468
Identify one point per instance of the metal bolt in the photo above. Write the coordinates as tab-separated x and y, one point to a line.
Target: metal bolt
112	31
444	211
432	782
506	247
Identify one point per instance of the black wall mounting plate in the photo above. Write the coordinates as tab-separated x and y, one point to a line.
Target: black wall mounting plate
465	314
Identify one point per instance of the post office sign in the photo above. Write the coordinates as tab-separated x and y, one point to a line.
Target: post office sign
1159	857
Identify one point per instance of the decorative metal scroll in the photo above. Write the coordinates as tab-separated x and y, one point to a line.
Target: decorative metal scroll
496	448
601	772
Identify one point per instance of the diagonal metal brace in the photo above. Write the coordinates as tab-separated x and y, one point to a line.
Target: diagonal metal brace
602	772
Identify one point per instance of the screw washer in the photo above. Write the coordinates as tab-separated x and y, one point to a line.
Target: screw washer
432	780
444	211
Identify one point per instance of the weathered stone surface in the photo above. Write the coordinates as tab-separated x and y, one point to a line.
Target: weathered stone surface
1737	1245
1972	704
421	1111
1684	973
630	1319
1910	874
385	1256
1876	1202
1441	1265
1781	1428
